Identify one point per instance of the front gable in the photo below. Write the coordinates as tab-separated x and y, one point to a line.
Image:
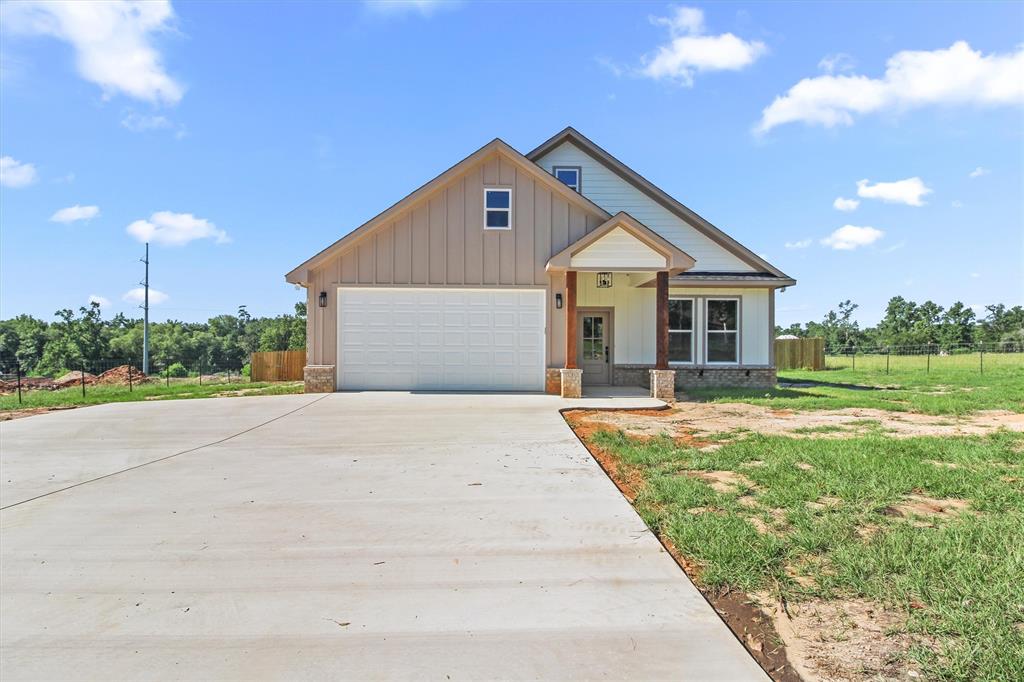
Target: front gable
437	235
614	194
615	187
618	248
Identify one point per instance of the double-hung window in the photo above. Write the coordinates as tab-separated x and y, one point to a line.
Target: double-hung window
723	331
680	330
497	208
570	175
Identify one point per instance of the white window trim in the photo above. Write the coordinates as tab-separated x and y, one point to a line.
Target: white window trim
579	177
507	190
692	330
737	331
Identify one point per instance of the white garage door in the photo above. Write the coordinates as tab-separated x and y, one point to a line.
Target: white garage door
441	339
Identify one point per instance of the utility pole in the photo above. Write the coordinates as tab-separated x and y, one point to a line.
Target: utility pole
145	308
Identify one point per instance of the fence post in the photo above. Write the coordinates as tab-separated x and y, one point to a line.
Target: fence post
854	357
129	375
167	375
887	352
83	378
928	365
981	358
18	370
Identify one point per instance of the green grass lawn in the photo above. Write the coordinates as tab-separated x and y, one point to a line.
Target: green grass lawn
946	392
96	394
815	518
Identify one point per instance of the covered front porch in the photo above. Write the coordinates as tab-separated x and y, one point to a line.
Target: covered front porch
612	288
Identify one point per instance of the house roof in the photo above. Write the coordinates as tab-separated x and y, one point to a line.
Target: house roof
728	279
572	135
300	274
676	259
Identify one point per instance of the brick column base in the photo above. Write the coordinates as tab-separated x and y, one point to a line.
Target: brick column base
663	384
319	378
572	383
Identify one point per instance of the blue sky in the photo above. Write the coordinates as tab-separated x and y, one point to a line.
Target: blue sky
241	138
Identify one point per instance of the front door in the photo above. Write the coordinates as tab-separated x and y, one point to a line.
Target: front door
594	345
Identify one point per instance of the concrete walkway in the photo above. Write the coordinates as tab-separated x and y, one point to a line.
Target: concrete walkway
357	536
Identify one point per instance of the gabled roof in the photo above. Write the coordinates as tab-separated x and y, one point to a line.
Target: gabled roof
299	275
572	135
676	259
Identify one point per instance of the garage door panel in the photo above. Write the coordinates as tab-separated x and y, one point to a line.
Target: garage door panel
441	339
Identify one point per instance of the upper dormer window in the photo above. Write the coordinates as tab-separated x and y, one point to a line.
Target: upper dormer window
570	175
497	208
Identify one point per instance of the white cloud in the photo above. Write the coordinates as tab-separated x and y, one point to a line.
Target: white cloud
801	244
849	237
103	301
14	173
138	295
142	123
895	247
843	204
978	172
401	7
75	213
689	51
956	203
831	63
907	191
956	75
175	229
111	39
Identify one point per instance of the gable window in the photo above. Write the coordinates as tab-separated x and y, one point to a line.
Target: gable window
723	330
570	175
497	209
680	330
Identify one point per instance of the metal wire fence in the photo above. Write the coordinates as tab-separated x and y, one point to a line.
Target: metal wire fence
927	358
117	373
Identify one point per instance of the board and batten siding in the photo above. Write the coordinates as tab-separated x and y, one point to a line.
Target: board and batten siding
612	193
635	309
441	241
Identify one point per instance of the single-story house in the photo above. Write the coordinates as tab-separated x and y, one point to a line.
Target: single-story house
553	270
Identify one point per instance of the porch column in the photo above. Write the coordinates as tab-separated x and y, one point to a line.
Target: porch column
663	379
572	376
662	321
570	319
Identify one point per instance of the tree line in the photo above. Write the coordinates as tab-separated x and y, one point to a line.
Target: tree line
907	323
85	339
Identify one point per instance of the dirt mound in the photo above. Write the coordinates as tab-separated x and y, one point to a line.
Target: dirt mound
120	375
74	378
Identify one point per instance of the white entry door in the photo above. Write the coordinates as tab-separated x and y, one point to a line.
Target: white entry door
441	339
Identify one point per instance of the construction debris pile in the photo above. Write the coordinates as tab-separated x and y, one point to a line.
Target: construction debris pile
121	375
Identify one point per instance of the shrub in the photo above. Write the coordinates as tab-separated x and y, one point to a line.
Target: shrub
247	370
177	370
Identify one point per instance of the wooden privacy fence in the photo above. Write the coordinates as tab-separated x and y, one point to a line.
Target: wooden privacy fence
800	354
277	365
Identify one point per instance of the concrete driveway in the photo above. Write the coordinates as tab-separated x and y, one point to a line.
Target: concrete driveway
360	536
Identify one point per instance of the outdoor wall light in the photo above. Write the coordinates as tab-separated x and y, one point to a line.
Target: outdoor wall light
323	299
558	301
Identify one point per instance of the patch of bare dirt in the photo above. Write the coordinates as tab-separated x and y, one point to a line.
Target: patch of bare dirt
693	423
723	481
842	640
930	507
8	415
